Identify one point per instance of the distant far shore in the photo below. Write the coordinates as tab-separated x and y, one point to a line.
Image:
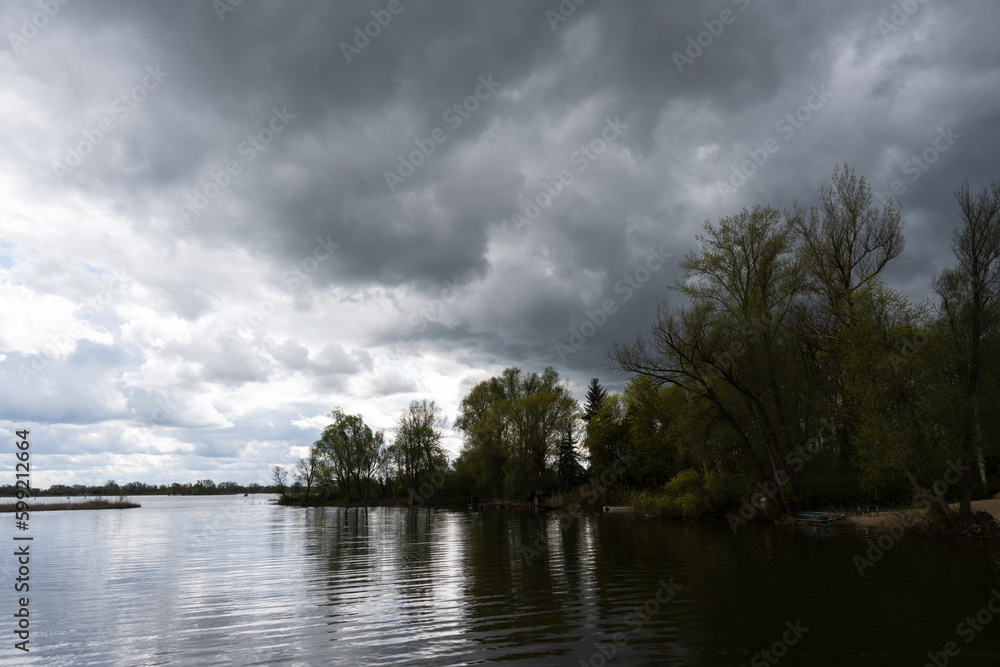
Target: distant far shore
97	504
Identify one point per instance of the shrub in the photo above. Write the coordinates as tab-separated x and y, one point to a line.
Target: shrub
689	494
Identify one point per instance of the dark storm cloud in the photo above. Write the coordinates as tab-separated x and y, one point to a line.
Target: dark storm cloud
382	183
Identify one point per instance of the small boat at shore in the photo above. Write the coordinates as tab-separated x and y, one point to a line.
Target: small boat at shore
618	508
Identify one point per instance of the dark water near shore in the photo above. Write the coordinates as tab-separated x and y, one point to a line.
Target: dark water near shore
216	580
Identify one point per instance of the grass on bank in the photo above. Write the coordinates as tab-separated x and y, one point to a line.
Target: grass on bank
96	504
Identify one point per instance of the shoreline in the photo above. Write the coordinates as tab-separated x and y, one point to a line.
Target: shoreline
909	517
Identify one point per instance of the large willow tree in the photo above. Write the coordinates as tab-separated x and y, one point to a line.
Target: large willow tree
785	316
348	451
728	348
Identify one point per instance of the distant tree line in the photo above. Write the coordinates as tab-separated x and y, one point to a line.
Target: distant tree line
204	487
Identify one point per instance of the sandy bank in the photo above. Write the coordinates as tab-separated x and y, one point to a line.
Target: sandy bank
890	517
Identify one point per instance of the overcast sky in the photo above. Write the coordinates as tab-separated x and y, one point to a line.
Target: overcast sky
221	220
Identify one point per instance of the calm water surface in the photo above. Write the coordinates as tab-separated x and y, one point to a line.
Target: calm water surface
217	580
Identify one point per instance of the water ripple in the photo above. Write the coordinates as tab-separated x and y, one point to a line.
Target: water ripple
219	581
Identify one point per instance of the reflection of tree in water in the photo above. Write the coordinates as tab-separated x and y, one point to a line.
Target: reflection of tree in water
458	586
376	562
340	540
631	557
738	591
525	579
414	556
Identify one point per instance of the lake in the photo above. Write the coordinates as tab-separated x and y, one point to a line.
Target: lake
218	580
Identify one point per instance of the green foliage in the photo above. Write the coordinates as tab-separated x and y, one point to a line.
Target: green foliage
513	426
689	494
608	435
570	472
687	490
347	454
645	424
417	451
794	360
595	396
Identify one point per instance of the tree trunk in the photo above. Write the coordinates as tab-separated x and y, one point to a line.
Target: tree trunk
939	506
